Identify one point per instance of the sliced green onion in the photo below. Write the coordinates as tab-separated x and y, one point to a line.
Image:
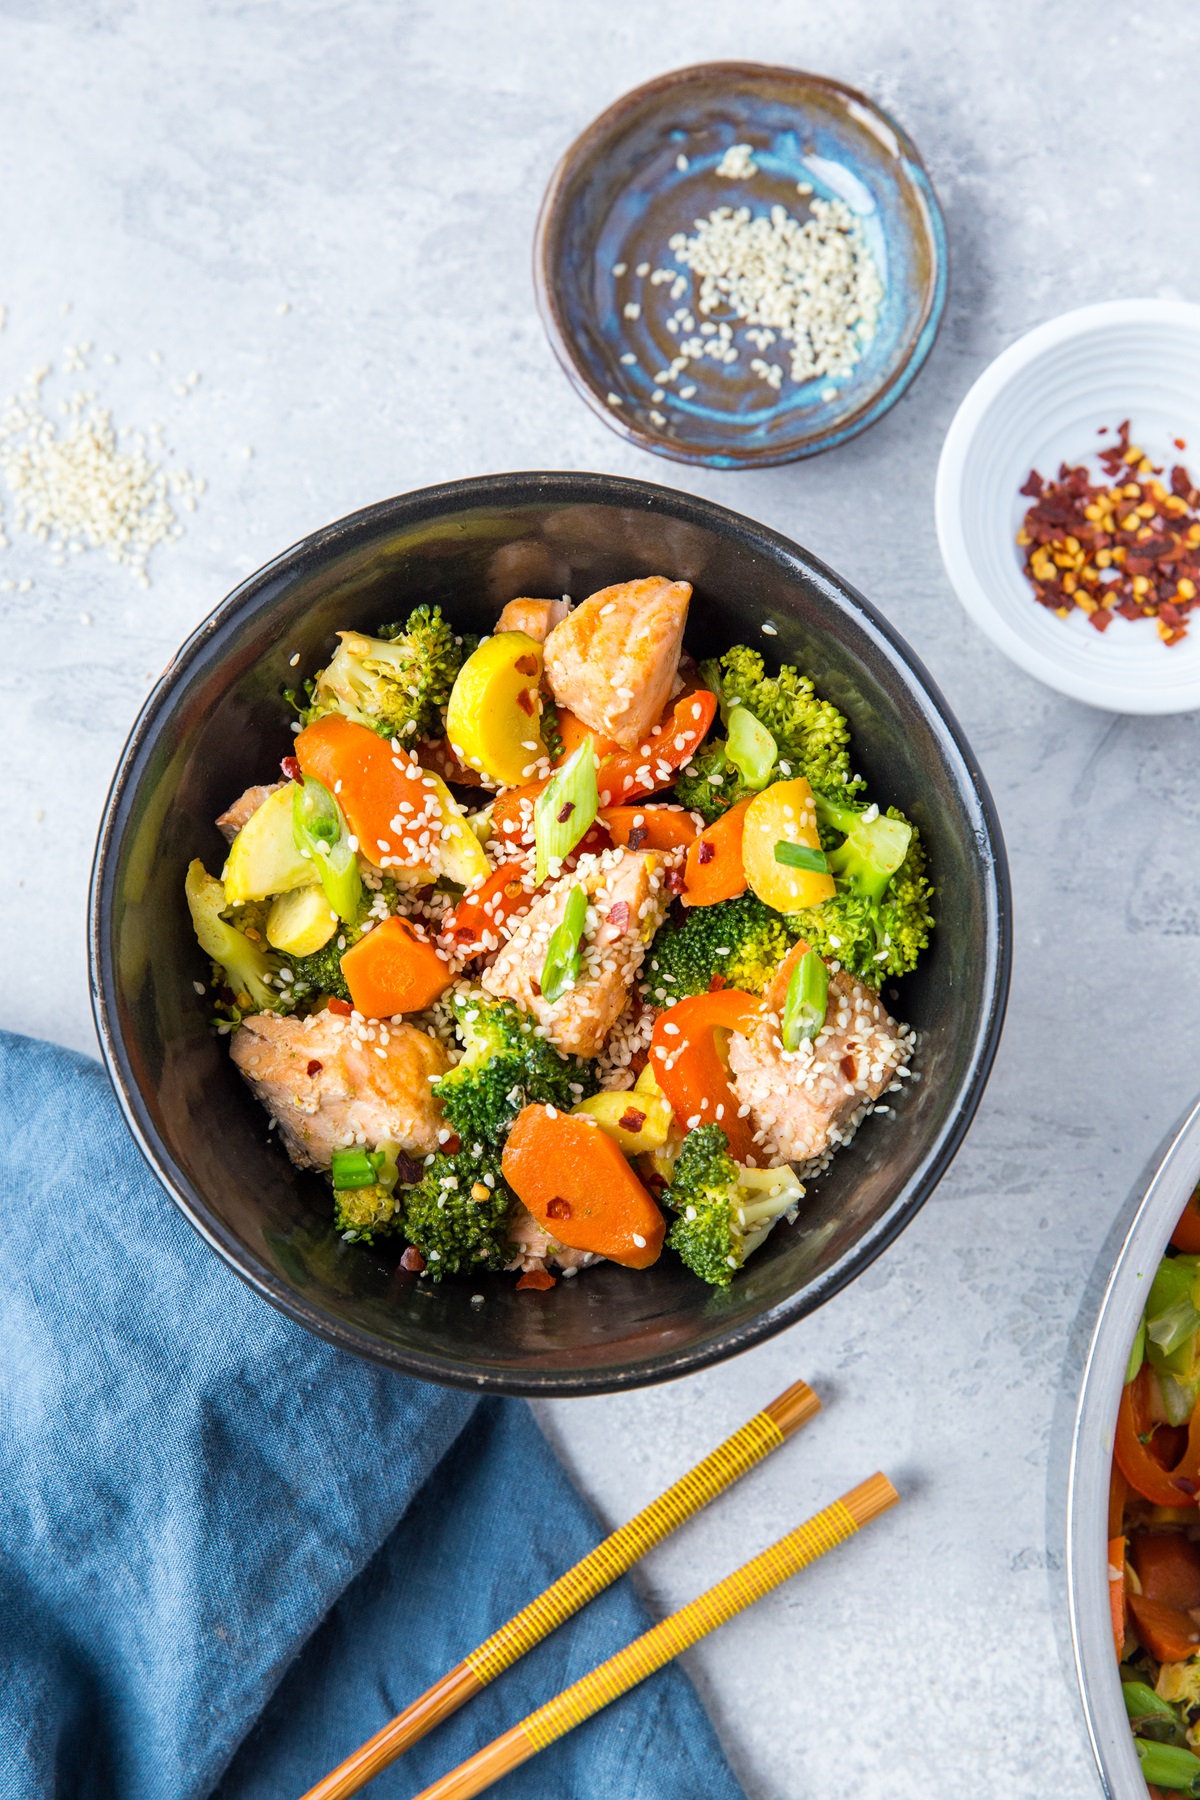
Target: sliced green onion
751	748
565	809
1137	1354
355	1167
1168	1766
1141	1702
319	826
807	998
563	961
799	856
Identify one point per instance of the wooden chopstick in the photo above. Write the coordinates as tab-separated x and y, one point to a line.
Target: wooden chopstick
662	1642
589	1577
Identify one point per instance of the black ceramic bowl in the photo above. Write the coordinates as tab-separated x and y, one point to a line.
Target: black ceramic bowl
217	721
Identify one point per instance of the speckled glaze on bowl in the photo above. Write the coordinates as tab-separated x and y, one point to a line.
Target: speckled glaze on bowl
618	196
217	721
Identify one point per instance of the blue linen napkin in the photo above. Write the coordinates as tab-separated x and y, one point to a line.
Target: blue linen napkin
229	1552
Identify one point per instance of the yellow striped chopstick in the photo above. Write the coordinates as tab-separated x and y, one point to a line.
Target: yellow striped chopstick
589	1577
659	1645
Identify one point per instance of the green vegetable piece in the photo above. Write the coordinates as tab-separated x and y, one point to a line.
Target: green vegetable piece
565	808
563	960
880	918
506	1066
807	998
396	684
1168	1766
750	748
455	1229
740	940
355	1167
1141	1702
724	1210
1137	1353
319	826
800	856
249	969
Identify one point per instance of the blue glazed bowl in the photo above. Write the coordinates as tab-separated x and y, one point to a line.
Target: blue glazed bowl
646	170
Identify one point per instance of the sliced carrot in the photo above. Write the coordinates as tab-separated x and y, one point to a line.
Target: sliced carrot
579	1187
688	1066
502	896
1136	1442
1116	1591
714	863
392	970
1166	1632
372	783
657	760
1186	1235
649	827
1168	1566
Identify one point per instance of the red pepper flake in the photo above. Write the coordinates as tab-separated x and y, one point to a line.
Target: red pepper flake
541	1279
535	988
1180	443
638	1061
525	702
674	882
706	850
637	836
631	1119
343	1008
618	916
716	983
314	1067
452	1145
412	1260
290	769
568	807
558	1208
526	665
1125	545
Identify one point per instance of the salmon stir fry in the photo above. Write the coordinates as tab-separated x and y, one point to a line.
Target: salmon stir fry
560	946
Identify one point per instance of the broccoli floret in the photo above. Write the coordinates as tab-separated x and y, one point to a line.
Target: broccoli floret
740	940
880	919
506	1067
456	1218
321	971
367	1211
248	968
813	737
724	1210
397	683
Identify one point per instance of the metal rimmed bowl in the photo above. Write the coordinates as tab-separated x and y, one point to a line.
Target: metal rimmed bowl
1172	1180
646	170
217	722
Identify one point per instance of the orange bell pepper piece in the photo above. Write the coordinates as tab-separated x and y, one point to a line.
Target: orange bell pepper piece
654	763
393	970
1116	1591
371	783
713	870
1176	1486
688	1067
572	731
649	827
577	1184
1168	1566
502	896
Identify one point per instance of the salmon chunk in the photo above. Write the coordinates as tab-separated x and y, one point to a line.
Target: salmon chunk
807	1101
325	1082
536	618
234	817
612	661
627	900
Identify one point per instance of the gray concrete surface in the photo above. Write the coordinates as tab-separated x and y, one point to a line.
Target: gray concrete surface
178	172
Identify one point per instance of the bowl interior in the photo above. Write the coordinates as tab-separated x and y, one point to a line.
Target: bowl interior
1045	406
646	170
217	722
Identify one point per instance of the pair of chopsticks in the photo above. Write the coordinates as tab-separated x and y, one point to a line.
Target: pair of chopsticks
589	1577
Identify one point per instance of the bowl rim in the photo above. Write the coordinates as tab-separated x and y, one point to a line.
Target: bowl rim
573	488
873	408
970	419
1164	1194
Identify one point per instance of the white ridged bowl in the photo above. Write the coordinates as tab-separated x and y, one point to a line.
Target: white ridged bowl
1039	404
